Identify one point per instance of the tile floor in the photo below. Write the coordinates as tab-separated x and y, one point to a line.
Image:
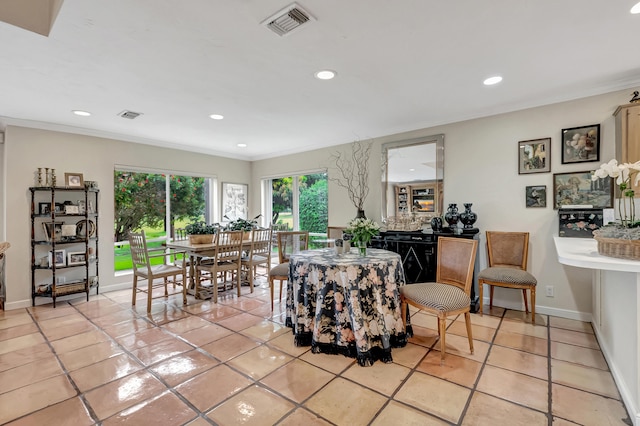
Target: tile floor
102	362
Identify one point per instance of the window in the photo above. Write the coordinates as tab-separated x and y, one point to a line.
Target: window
298	202
159	204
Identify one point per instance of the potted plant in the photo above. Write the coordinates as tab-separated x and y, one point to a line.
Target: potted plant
201	233
244	225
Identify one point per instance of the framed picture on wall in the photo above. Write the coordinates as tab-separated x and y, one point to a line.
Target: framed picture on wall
581	144
534	156
577	188
536	196
234	201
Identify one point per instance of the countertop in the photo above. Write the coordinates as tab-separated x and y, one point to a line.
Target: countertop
583	253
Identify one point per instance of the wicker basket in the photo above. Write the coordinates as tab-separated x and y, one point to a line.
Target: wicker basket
617	247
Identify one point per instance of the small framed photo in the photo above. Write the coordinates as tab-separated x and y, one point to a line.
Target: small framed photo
52	231
74	180
44	208
69	231
82	207
536	196
581	144
534	156
57	257
76	258
71	209
59	208
577	188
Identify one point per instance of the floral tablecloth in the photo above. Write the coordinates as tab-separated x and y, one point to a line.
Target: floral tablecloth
346	303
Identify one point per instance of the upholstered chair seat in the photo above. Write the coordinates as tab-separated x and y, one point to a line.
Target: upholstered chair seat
507	275
440	297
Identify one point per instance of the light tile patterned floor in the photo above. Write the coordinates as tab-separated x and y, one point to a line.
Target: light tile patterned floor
102	362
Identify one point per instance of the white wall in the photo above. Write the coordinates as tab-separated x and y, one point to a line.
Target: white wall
481	167
27	149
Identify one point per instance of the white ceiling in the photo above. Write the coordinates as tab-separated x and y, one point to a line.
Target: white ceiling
402	65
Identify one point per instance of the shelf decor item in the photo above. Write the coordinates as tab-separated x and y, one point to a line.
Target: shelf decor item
452	216
621	239
73	180
467	217
353	173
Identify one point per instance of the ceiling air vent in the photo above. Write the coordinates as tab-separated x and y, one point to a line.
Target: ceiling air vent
129	114
287	20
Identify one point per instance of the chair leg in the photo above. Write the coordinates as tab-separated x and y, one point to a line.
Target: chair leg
149	294
524	296
490	296
271	284
281	285
238	279
442	328
467	320
533	305
135	290
481	295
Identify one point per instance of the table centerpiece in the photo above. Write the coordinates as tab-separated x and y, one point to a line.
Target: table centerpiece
361	231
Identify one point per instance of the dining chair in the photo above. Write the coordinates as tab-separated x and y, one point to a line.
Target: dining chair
226	257
450	293
259	254
507	254
146	269
289	242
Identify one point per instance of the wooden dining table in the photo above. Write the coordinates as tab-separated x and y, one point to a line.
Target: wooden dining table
196	253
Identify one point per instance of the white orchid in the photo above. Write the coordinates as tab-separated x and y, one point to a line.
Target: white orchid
623	174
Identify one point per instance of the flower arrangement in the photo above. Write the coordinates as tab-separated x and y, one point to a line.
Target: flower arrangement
201	228
362	230
242	224
624	176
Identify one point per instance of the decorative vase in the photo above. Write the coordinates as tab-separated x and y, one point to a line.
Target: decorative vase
436	224
452	216
362	248
467	217
360	214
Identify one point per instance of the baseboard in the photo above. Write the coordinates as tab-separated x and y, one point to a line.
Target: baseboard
627	397
545	310
26	303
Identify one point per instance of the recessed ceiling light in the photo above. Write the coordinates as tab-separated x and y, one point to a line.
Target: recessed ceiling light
242	145
412	170
325	74
216	116
492	80
635	9
81	113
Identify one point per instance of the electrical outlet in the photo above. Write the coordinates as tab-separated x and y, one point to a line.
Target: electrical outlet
549	290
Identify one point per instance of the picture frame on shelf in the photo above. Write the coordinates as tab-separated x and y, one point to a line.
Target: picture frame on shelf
68	231
234	200
534	156
52	231
44	208
71	209
581	144
59	208
76	258
82	207
58	256
74	180
577	188
536	196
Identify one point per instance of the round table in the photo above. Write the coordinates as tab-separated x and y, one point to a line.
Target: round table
346	303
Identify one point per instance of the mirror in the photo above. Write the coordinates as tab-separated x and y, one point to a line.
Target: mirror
413	180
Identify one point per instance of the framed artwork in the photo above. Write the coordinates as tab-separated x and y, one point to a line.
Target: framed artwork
73	180
536	196
534	156
581	144
52	230
57	256
234	201
44	208
577	188
71	209
76	258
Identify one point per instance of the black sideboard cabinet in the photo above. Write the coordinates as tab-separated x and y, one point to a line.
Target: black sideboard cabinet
419	254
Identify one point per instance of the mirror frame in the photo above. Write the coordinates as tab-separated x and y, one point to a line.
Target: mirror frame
439	188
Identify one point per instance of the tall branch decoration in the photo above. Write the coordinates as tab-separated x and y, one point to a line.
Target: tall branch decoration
353	172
